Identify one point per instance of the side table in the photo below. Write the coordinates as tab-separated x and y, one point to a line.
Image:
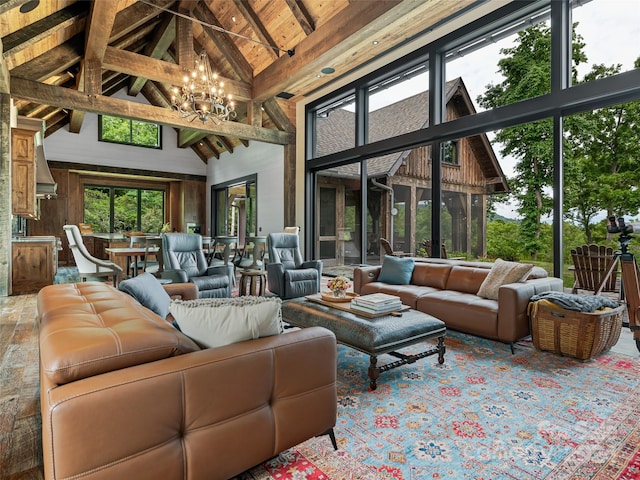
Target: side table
256	281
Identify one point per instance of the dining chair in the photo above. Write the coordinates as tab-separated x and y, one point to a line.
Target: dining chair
153	249
87	264
136	240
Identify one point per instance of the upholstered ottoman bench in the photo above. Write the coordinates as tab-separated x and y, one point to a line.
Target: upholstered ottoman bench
372	336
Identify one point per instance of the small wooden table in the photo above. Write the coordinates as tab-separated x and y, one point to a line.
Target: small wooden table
256	280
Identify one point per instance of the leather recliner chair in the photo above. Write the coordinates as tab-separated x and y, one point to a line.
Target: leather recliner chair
185	261
288	275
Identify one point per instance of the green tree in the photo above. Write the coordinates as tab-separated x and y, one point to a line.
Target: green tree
526	68
604	172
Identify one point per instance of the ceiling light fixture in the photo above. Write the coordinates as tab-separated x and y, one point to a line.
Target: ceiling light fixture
202	95
28	6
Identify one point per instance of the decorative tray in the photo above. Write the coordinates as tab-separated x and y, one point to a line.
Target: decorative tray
328	297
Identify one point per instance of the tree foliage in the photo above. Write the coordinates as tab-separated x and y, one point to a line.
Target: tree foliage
130	132
526	68
604	173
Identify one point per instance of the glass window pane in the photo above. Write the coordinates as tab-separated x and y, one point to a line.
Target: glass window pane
97	207
151	210
145	134
399	104
609	30
506	66
335	126
125	210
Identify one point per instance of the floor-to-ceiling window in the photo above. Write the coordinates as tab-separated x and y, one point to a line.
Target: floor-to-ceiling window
510	75
124	209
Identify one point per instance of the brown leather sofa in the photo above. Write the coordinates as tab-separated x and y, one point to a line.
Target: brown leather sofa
447	290
125	395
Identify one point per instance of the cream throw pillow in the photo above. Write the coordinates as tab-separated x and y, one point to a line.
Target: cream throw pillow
503	273
213	322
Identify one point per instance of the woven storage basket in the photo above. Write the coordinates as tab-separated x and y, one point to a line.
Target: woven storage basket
581	335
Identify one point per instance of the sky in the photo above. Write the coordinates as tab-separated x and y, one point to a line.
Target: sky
611	35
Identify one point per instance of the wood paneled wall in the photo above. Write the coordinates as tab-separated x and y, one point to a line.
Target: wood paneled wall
186	202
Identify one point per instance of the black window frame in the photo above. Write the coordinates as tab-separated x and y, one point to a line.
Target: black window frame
131	142
564	99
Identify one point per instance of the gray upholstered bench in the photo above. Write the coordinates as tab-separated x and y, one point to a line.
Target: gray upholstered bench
373	336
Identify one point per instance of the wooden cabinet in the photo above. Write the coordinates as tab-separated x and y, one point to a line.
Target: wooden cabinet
23	173
33	265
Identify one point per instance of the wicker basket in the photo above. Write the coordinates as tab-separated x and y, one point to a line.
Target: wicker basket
581	335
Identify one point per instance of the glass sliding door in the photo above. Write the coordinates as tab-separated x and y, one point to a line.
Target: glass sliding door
235	208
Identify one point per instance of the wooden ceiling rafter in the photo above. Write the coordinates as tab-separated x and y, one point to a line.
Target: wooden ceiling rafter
354	23
165	35
224	45
302	16
61	20
258	28
212	148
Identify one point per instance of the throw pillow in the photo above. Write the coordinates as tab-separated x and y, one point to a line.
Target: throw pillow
503	273
214	322
148	291
396	270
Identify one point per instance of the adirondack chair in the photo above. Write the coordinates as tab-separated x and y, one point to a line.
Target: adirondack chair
590	264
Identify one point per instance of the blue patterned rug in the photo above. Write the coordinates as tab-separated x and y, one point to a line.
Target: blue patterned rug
483	414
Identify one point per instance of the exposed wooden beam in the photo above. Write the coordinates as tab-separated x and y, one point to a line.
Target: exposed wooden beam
4	74
98	33
330	39
76	117
214	151
254	22
235	58
226	144
302	16
184	42
56	60
279	115
68	98
186	138
254	114
36	32
165	34
139	65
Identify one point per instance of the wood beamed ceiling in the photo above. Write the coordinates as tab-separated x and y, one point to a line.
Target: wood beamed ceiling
68	57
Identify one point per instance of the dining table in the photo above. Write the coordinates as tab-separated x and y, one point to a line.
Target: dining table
129	253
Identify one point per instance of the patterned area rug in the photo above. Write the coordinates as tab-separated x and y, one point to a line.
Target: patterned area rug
483	414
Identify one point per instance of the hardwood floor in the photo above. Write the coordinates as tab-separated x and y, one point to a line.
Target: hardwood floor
20	423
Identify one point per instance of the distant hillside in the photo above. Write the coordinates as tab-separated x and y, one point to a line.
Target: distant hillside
497	216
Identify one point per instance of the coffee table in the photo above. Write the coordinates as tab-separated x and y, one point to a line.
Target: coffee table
372	336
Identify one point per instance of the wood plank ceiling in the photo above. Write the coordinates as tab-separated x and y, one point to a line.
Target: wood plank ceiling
63	58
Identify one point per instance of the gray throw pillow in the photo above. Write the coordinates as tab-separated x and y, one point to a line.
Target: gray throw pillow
148	291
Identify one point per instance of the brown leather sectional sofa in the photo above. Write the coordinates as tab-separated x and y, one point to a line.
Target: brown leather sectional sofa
124	395
447	290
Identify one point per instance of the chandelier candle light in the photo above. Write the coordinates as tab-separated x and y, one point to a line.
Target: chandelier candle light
202	95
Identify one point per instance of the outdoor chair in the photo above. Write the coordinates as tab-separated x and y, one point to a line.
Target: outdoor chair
88	265
386	246
288	276
427	246
185	261
590	263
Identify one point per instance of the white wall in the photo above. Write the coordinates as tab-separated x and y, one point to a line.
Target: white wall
84	147
265	160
